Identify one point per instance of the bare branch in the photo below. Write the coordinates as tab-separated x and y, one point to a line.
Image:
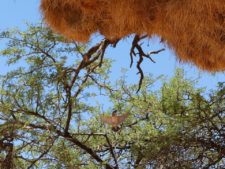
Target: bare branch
135	50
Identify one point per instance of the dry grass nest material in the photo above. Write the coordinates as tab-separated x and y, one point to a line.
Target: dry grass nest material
194	29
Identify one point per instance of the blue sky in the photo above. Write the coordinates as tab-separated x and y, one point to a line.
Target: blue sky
14	13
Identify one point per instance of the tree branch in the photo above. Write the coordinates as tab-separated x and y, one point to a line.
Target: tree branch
111	151
141	54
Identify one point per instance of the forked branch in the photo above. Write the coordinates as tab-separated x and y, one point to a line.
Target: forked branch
135	50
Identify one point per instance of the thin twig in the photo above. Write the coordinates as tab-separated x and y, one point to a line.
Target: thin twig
112	152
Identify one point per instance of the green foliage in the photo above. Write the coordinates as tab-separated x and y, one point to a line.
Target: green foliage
50	112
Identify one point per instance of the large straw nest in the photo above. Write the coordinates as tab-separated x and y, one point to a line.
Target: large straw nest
194	29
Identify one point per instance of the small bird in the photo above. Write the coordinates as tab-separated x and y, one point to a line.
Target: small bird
114	120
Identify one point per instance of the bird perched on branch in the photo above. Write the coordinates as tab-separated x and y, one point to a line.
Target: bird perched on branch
114	120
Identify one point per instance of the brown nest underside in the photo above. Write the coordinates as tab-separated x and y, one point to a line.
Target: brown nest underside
194	29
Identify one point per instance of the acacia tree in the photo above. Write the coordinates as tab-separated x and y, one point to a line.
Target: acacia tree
50	115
